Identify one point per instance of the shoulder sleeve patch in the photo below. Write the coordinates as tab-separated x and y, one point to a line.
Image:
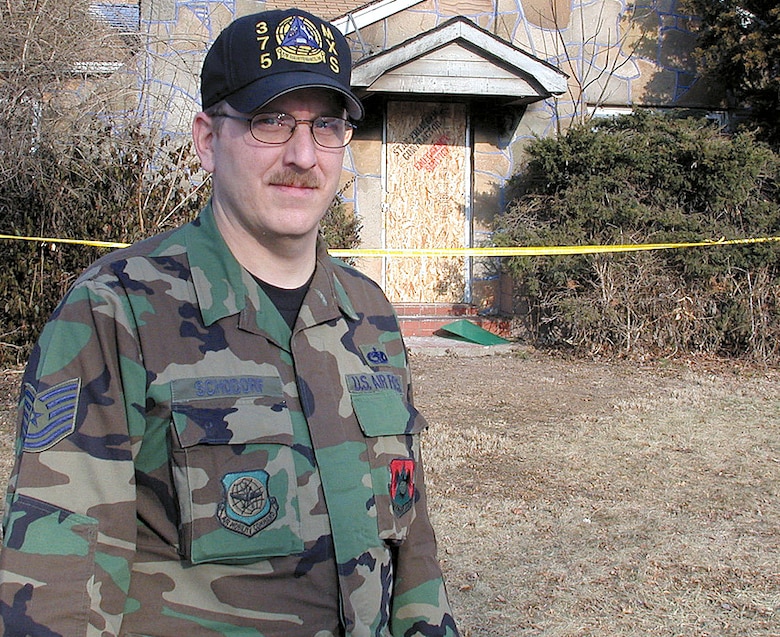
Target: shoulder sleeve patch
49	416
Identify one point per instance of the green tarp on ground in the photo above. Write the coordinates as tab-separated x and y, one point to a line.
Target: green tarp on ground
467	331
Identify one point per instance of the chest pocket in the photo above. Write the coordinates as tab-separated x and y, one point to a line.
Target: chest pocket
234	470
391	427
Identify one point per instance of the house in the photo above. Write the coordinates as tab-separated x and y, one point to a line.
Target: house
453	91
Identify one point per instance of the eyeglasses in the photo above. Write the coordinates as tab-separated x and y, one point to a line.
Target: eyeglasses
278	128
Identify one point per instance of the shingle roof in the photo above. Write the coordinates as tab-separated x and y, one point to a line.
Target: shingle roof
326	9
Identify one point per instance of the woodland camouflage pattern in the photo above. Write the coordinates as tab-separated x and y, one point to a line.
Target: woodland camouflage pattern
187	467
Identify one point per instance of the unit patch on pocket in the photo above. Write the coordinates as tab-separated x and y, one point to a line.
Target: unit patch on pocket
401	484
49	416
248	507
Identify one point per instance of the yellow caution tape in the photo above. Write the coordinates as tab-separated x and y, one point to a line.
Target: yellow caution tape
510	251
83	242
527	251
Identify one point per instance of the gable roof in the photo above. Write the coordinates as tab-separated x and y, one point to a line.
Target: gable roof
459	58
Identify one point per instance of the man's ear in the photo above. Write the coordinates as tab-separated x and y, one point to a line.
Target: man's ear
203	135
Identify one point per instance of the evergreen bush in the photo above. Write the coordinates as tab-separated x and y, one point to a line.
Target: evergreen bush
649	178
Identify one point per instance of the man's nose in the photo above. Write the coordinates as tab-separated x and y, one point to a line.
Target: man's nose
301	149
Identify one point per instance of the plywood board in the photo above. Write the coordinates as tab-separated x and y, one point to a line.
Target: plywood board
427	163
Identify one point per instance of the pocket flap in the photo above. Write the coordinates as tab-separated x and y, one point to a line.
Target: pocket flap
384	413
227	410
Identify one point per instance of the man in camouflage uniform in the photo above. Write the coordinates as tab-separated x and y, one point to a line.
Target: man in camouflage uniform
217	434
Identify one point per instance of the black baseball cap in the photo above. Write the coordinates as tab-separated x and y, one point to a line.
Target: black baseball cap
260	57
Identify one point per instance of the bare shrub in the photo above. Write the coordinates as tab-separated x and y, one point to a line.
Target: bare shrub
104	183
75	163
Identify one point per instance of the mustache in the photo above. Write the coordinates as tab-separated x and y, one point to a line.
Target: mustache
286	177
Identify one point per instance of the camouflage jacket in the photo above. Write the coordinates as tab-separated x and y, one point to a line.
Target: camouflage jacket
188	465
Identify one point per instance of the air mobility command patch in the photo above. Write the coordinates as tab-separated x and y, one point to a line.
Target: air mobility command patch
247	508
401	484
48	416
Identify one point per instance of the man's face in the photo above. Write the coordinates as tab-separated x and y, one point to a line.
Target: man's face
273	191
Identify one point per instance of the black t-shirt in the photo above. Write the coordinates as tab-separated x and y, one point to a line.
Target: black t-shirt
288	302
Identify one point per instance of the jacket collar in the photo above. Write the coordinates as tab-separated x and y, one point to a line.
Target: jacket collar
223	287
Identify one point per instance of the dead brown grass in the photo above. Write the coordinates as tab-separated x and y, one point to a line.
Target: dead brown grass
582	499
588	499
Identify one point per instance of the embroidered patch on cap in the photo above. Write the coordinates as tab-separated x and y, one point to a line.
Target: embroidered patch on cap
50	415
247	508
401	485
375	355
300	41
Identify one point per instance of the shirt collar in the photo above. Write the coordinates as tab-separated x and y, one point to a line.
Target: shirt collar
216	275
223	287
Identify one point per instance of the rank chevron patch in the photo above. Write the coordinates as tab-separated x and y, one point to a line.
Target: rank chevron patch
50	415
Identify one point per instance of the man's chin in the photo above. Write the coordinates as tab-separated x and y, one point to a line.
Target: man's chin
295	234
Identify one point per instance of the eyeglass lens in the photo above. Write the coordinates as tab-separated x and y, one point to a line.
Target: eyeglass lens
277	128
